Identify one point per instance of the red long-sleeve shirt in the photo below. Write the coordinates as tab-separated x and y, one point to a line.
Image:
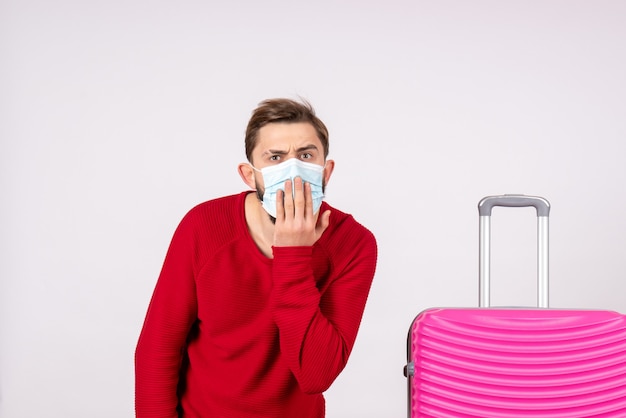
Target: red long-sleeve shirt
263	337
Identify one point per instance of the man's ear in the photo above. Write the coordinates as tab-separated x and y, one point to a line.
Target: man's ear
246	172
328	170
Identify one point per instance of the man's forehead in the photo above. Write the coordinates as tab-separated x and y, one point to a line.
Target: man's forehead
288	136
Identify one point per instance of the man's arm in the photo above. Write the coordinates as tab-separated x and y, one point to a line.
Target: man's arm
172	311
317	332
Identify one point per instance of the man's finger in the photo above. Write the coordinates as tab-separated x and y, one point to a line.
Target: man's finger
280	205
299	196
308	196
288	200
322	223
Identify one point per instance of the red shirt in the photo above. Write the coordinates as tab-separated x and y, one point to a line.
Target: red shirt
263	337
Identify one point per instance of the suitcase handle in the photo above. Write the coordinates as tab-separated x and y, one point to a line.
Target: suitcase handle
514	200
542	207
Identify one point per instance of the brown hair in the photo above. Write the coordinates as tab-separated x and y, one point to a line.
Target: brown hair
283	111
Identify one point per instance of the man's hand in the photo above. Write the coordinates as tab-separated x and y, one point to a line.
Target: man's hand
296	225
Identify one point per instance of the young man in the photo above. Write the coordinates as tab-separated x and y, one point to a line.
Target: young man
260	297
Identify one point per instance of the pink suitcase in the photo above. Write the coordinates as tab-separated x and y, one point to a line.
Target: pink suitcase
516	362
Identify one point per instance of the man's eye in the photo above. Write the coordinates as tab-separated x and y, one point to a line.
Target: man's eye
275	158
306	156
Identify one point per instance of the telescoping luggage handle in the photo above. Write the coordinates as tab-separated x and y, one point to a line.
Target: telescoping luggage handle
543	212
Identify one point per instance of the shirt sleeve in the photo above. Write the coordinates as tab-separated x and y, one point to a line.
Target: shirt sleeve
318	330
171	313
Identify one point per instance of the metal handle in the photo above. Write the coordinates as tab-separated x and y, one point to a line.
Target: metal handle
543	212
514	200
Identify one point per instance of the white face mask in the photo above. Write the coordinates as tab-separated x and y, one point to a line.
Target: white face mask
274	178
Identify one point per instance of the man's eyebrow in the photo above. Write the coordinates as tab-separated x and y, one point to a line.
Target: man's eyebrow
283	152
307	147
275	152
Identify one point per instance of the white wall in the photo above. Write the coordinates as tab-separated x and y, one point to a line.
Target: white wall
117	117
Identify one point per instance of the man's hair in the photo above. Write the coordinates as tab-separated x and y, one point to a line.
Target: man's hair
283	111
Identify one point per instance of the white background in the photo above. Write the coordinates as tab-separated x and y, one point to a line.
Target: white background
117	117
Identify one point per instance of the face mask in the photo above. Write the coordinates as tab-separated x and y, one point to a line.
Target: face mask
274	178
